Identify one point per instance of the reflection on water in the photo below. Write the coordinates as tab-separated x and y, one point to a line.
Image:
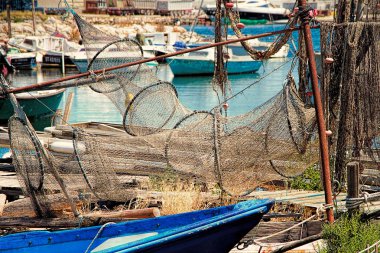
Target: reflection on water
195	92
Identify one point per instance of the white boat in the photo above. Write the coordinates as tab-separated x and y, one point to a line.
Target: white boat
202	63
22	61
50	49
262	45
159	43
253	10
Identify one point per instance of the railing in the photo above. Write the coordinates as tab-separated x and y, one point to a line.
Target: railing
374	248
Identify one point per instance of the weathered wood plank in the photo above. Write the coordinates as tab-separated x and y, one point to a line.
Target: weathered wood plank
3	199
267	228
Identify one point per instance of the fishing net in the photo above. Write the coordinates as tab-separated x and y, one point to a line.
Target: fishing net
162	137
351	74
280	41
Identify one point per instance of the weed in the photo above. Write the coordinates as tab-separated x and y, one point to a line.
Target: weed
309	180
349	234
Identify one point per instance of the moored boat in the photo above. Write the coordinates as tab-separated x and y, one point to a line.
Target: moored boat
81	61
215	230
52	49
39	106
23	61
259	10
202	63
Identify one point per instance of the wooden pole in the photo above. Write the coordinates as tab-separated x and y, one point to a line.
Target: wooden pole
129	214
297	243
3	200
352	182
34	17
9	19
323	145
63	56
100	71
66	113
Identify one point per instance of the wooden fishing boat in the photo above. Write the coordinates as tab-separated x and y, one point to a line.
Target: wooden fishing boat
23	60
50	48
81	62
215	230
202	63
39	106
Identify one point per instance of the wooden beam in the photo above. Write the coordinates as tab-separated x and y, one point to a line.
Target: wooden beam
128	214
3	200
267	228
352	182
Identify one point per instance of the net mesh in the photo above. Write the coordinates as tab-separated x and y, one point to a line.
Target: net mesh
162	136
351	90
279	42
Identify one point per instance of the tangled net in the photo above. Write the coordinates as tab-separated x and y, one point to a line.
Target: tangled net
164	137
351	89
280	41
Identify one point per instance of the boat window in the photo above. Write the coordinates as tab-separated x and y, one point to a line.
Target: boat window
198	53
252	2
28	42
264	5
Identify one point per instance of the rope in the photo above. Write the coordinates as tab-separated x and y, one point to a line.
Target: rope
321	209
97	235
366	197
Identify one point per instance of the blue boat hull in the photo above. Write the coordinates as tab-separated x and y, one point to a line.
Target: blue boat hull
206	67
214	230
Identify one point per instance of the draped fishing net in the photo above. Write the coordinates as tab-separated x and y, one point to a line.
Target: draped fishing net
351	90
164	137
280	41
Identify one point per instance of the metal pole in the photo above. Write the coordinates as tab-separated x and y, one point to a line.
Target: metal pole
305	26
34	17
63	56
9	18
99	71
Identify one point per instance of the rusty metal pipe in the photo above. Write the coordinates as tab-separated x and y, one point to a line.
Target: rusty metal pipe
305	26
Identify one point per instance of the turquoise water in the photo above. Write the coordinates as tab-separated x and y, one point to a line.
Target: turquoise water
195	92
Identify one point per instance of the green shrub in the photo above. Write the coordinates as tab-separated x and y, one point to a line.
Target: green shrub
309	180
349	234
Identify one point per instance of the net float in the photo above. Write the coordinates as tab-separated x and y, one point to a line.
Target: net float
328	132
240	25
225	106
229	5
313	13
329	60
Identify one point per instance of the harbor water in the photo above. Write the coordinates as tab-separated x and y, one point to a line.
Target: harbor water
195	92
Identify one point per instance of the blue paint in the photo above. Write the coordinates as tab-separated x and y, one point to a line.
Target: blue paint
3	151
187	66
213	230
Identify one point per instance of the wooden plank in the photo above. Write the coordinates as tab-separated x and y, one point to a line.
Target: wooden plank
4	140
3	199
268	228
